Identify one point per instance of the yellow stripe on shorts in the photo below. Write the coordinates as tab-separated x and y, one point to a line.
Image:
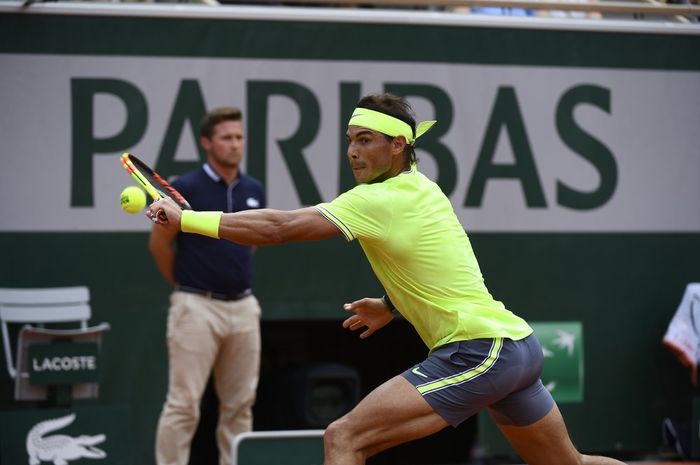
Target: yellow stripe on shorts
484	366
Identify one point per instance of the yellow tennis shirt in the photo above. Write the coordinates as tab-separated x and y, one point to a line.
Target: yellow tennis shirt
423	258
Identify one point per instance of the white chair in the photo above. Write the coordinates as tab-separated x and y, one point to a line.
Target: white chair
35	308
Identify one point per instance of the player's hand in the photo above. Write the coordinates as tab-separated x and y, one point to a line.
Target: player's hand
165	212
369	313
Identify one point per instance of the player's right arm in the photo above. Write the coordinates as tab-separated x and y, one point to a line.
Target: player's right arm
160	244
370	314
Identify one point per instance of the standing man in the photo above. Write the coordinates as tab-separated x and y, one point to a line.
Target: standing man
214	319
481	356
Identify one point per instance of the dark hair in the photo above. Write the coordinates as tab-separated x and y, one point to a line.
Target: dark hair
216	116
395	106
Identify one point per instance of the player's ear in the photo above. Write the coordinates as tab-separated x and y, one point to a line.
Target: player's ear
398	144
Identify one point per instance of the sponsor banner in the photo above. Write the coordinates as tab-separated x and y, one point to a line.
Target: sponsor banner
516	148
562	347
65	363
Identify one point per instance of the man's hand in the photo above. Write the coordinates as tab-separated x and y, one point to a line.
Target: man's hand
166	213
369	313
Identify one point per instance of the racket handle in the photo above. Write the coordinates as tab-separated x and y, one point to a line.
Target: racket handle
160	217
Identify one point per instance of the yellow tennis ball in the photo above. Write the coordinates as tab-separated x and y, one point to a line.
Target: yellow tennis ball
133	199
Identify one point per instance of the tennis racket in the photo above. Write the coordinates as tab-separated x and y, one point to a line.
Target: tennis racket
154	185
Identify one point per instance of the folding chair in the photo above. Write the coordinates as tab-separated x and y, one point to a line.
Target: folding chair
35	308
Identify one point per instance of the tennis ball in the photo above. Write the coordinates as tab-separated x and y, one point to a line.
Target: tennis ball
133	199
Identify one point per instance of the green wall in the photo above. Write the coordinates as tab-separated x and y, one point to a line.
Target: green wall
623	287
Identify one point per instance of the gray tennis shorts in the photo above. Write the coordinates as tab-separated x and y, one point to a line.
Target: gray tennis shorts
461	378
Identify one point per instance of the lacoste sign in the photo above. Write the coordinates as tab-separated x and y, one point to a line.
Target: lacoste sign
68	363
64	363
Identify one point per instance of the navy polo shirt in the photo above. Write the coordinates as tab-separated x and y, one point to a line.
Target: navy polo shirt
212	264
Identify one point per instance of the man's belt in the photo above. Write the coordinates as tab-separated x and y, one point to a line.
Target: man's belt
215	295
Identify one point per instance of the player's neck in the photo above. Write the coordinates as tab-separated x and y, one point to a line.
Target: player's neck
400	168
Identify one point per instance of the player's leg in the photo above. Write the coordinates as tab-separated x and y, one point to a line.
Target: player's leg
529	418
191	353
236	372
392	414
445	389
547	442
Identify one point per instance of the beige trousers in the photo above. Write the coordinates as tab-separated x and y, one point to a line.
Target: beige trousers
203	335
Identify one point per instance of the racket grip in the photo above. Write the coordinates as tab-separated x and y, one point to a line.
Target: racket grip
161	216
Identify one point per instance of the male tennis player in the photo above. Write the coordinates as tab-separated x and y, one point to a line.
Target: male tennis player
481	354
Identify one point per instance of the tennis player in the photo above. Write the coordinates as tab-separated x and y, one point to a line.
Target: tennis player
481	355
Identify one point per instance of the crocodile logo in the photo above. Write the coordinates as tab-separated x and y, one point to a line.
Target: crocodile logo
60	448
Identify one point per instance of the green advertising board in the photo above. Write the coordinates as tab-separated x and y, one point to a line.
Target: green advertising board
562	347
302	447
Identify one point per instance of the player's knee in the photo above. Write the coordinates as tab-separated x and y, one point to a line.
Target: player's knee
338	436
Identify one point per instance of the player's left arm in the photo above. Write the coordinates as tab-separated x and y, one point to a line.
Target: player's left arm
267	226
257	227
